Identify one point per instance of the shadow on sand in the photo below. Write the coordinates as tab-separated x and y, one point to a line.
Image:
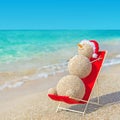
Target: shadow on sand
105	100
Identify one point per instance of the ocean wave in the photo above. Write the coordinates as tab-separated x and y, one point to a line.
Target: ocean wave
42	72
113	61
118	56
49	70
10	85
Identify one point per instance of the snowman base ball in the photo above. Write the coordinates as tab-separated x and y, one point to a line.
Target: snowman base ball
71	86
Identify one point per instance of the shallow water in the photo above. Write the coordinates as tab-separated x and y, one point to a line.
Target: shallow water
31	55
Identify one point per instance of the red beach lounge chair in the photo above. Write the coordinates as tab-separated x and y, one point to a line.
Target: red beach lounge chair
89	84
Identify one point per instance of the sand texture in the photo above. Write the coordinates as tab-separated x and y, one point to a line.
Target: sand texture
30	101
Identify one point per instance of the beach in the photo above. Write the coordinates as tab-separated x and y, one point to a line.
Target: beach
30	101
29	68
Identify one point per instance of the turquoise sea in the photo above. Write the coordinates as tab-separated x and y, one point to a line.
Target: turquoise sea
35	54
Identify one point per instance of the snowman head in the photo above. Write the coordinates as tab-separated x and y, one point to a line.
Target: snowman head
88	48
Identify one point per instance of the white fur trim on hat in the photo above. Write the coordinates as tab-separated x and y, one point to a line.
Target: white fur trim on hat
88	42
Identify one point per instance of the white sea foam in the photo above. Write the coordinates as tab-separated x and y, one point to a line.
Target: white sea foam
3	86
45	71
9	85
112	62
43	75
118	56
42	72
17	84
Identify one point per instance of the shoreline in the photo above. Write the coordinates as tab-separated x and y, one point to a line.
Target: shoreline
17	79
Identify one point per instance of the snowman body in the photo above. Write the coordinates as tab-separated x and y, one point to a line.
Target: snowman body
79	67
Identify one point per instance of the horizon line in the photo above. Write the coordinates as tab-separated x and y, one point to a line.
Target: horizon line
50	29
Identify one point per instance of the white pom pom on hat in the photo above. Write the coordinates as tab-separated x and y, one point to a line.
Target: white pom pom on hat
94	45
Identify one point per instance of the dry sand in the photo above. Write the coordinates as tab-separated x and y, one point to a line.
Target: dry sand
30	101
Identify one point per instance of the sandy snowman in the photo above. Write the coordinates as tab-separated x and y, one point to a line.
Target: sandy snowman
79	67
80	64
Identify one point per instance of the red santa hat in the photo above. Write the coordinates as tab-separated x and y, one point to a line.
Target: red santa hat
94	45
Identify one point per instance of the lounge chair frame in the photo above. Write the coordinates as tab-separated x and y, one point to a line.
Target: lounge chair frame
86	101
